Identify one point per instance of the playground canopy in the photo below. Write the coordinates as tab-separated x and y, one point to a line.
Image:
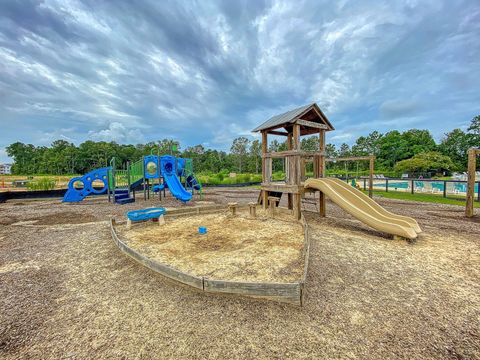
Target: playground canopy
310	118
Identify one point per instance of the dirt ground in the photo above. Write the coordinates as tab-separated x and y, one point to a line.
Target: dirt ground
235	248
66	291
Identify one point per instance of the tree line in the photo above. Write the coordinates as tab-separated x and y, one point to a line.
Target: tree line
412	150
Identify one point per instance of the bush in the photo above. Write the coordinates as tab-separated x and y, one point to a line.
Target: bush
256	178
243	178
224	179
44	183
229	181
423	162
278	176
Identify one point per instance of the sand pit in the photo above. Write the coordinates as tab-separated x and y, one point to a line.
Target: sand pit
235	248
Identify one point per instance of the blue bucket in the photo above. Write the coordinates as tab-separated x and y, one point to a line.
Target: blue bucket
202	230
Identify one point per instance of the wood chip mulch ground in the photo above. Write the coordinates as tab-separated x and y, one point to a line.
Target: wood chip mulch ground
66	291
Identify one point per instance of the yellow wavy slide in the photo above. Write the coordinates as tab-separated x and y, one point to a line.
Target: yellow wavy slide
365	209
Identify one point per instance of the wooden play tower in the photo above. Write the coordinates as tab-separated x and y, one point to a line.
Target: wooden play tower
306	120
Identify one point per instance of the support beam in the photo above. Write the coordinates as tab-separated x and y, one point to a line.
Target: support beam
296	137
280	133
282	154
297	206
322	209
295	176
472	165
351	158
287	169
311	124
264	163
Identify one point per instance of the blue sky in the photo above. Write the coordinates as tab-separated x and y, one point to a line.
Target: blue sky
209	71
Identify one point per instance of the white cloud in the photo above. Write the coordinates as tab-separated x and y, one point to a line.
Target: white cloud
128	72
119	133
4	157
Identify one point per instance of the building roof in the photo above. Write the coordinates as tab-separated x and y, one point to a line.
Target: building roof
291	116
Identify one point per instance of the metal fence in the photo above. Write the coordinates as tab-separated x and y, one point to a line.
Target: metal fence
453	189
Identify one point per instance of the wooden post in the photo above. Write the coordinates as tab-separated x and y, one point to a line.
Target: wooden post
321	171
472	164
370	176
302	169
272	200
233	208
253	209
264	165
287	169
296	137
296	175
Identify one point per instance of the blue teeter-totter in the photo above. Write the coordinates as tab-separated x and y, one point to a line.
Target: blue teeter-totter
146	214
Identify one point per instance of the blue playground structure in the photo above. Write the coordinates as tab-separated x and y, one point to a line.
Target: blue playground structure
152	174
85	182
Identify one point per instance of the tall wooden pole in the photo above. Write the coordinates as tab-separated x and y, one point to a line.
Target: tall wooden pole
296	170
321	171
370	176
264	164
289	147
472	164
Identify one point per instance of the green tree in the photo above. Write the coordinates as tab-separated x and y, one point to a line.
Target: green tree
425	162
23	156
455	145
256	154
474	127
331	151
418	141
344	150
310	143
366	145
393	148
239	150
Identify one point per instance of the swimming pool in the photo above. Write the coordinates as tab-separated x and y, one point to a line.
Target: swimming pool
395	185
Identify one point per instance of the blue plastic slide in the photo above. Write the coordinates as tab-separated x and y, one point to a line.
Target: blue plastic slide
169	172
74	194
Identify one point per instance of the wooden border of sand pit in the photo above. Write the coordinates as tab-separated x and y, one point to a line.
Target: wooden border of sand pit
293	293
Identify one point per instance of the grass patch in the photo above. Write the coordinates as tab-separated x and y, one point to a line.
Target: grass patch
223	178
430	198
44	183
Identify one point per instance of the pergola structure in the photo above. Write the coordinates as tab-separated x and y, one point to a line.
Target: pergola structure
305	120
